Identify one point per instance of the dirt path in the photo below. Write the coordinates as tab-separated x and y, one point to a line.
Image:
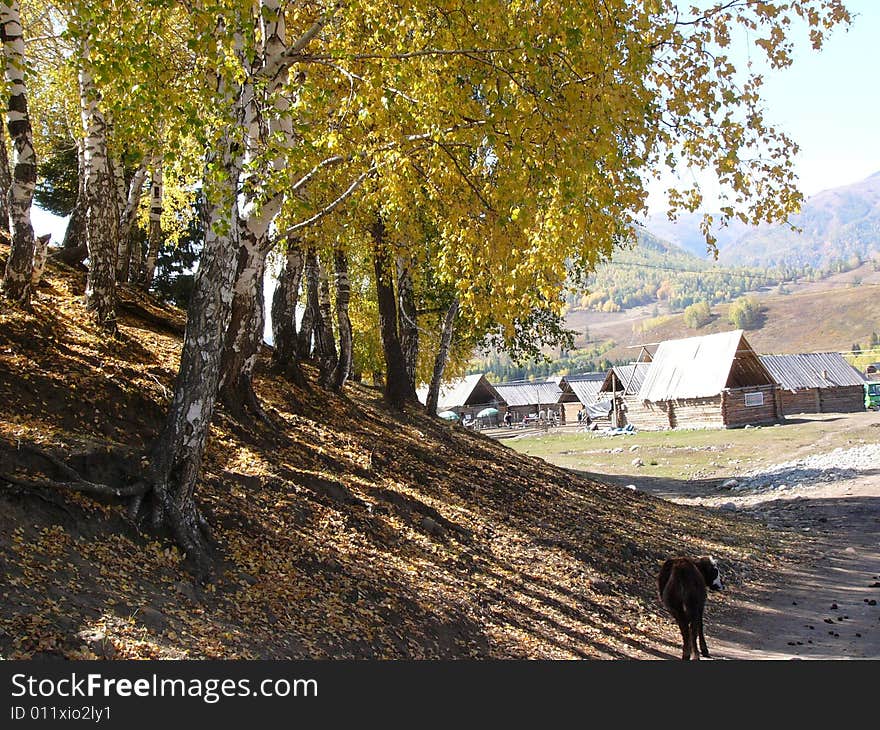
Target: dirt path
820	608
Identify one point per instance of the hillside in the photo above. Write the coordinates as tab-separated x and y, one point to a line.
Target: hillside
838	224
655	271
345	531
813	319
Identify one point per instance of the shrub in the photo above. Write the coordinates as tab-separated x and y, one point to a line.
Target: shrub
745	313
697	315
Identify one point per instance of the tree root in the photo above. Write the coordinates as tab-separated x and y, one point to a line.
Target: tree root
23	487
189	528
80	485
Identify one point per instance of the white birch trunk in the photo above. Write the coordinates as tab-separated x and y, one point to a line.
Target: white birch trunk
19	265
126	219
177	453
41	253
5	182
154	234
442	357
101	197
246	326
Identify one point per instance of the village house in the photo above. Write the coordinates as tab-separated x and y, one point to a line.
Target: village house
525	398
582	391
714	381
466	396
816	382
621	387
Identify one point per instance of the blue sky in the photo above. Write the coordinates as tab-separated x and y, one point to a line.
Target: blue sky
829	102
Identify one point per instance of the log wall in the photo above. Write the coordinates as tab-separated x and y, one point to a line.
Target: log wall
805	400
848	399
736	413
697	413
646	416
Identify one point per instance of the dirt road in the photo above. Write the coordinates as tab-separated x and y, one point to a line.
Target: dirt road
818	476
827	606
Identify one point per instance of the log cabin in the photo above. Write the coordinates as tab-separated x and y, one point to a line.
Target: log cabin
816	382
713	381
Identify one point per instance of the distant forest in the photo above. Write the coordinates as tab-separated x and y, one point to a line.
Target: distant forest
656	272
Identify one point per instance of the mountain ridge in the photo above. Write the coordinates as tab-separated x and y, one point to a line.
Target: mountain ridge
837	224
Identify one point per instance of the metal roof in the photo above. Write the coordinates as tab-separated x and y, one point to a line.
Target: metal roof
461	391
812	370
528	393
700	367
630	377
585	387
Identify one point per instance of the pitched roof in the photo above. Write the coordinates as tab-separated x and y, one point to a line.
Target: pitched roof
812	370
584	387
469	390
629	378
528	393
701	367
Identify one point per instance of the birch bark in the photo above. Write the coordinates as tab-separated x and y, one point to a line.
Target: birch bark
284	305
5	182
245	336
408	327
19	265
101	210
177	452
126	219
442	358
154	234
307	325
343	297
325	344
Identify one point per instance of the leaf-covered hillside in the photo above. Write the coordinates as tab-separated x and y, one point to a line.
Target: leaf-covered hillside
344	530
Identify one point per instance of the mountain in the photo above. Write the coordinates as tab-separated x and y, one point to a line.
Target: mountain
655	271
684	232
839	224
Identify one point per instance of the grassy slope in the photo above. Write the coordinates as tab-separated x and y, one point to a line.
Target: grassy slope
815	318
345	533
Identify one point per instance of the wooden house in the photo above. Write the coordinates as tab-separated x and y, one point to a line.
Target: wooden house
621	387
467	395
714	381
816	382
582	391
528	398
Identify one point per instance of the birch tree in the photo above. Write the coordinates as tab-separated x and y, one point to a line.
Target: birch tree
154	232
284	308
342	370
5	179
19	266
101	201
126	220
